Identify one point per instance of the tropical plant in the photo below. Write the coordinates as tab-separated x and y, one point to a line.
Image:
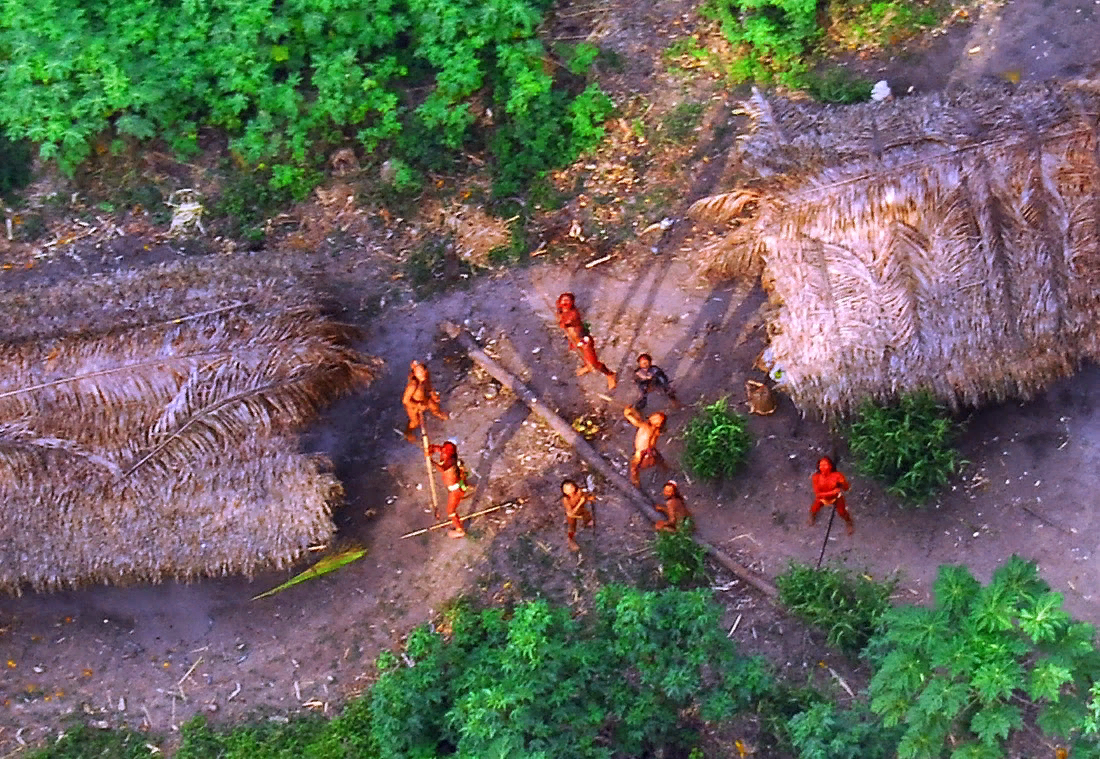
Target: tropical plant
681	557
540	682
774	36
848	606
716	441
982	663
908	446
825	731
286	81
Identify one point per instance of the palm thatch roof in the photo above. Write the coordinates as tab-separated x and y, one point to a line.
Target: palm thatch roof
147	424
946	242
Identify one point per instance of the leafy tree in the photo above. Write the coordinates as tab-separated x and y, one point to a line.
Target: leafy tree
973	668
285	80
543	684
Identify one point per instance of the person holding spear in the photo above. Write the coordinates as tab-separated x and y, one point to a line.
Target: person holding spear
420	397
829	486
454	477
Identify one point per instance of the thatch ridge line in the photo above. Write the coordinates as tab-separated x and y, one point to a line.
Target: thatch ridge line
924	161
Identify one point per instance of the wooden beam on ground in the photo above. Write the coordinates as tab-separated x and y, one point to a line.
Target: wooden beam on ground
588	453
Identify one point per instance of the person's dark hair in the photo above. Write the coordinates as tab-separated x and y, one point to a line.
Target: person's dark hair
646	356
569	482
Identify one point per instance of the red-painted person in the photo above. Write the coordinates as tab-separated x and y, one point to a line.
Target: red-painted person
645	442
569	319
419	397
829	486
573	500
454	477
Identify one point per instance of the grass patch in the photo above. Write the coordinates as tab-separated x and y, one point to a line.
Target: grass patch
848	606
434	267
245	202
838	85
679	124
907	446
716	442
877	24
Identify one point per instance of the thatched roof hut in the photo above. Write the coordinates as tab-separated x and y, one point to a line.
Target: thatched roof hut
147	420
946	242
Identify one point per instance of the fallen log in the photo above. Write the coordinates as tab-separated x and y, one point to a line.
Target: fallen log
588	453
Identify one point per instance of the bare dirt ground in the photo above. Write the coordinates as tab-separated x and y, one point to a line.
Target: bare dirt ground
151	657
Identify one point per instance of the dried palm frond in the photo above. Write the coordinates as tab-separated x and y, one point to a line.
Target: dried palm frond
947	242
134	447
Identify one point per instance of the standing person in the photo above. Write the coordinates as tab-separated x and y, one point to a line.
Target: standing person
829	486
573	500
645	442
648	376
420	397
569	319
675	508
454	477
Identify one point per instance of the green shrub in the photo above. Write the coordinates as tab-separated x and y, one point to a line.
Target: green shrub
542	683
716	442
838	85
681	557
825	732
774	35
848	606
983	663
907	446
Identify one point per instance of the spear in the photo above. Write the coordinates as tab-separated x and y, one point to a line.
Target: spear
428	463
826	541
444	524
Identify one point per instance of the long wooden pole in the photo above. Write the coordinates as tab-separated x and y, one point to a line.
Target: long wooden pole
441	525
588	453
428	463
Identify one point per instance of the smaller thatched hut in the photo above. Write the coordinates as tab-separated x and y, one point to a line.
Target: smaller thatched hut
946	242
147	420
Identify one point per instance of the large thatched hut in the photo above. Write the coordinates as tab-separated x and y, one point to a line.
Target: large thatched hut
946	242
147	424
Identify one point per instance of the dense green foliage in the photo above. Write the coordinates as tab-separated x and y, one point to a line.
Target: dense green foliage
848	606
774	36
983	661
543	684
681	557
908	446
825	732
288	79
716	441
